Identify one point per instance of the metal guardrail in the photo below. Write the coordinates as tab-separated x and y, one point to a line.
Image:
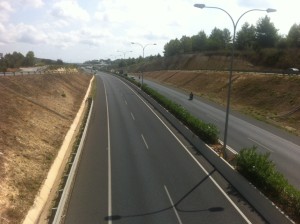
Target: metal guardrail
33	73
59	215
238	71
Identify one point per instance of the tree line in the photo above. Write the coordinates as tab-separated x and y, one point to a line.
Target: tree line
250	37
17	60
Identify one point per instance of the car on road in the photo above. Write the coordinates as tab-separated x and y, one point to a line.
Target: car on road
290	71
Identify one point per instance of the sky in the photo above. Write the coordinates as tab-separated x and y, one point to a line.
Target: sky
80	30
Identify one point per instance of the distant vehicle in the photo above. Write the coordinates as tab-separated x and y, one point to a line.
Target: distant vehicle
292	71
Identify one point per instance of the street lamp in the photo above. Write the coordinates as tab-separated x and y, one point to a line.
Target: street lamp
124	52
143	47
201	6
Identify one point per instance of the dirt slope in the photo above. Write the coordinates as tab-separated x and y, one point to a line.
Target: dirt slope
36	112
273	98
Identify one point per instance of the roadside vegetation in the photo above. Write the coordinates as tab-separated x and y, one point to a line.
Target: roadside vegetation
262	173
13	61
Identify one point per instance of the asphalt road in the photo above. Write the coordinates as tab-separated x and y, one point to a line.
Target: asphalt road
134	169
244	131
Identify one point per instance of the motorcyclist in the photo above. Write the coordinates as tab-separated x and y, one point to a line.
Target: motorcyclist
191	95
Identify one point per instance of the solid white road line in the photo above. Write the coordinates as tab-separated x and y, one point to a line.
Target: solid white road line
145	141
109	161
192	156
173	206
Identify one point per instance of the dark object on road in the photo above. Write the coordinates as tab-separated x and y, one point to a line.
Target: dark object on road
191	96
291	71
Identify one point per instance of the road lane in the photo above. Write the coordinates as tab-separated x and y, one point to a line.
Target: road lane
244	132
140	177
135	190
89	198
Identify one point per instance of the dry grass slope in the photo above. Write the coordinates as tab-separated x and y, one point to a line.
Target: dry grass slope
36	112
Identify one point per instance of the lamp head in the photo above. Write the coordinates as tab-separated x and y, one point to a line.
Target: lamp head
201	6
271	10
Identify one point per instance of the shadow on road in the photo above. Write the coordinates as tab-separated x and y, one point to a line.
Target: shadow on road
176	205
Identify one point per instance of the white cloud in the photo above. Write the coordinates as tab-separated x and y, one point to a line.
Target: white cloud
93	33
5	6
22	33
62	39
29	34
3	37
69	10
254	4
5	10
32	3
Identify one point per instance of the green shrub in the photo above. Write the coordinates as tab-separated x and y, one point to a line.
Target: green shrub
261	172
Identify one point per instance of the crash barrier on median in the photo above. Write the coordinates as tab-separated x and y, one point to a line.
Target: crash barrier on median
262	204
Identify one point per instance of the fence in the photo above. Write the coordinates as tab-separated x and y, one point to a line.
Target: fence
22	73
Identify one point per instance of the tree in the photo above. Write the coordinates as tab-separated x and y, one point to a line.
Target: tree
226	38
3	66
29	59
173	47
293	37
245	38
186	44
199	42
266	33
219	39
59	62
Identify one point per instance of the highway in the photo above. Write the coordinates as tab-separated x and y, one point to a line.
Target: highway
243	131
135	168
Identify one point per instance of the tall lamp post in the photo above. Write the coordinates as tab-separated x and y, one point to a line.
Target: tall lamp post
201	6
143	47
124	53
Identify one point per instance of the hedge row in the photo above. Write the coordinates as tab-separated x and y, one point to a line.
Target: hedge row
261	172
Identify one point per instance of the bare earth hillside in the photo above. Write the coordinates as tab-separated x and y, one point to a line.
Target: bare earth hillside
36	113
269	97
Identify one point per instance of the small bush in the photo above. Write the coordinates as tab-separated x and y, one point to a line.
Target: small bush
261	172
